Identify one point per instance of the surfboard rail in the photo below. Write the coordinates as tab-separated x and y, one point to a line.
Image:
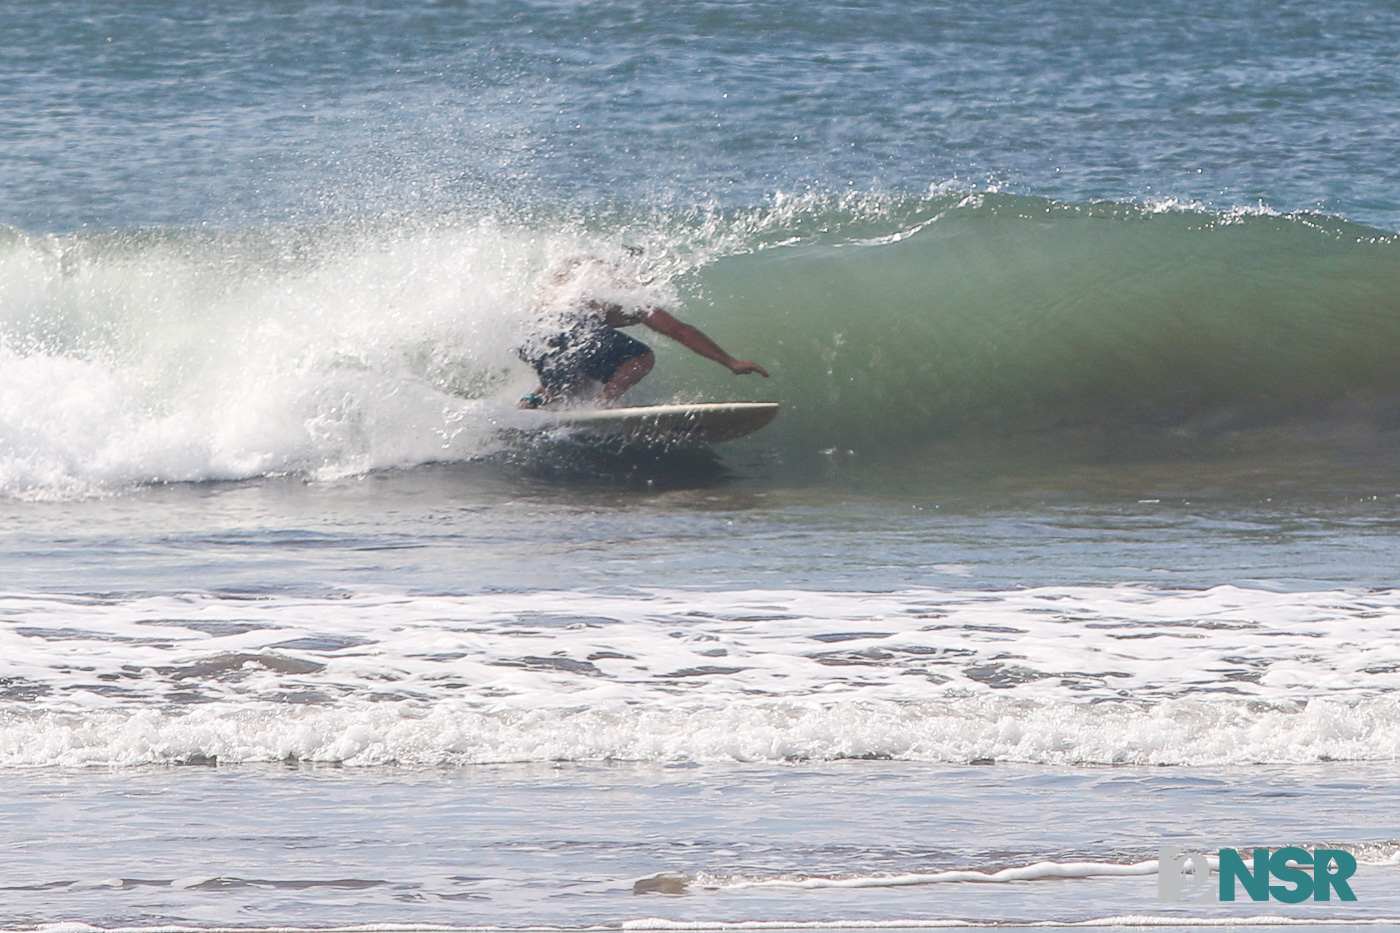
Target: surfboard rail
708	423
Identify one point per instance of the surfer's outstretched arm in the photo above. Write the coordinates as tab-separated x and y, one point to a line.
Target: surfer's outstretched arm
692	338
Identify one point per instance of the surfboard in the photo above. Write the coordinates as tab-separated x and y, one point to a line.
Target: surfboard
708	423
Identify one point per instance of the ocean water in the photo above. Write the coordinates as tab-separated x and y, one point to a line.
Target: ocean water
1077	535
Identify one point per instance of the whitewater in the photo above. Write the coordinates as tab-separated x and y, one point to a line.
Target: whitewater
1062	676
1075	537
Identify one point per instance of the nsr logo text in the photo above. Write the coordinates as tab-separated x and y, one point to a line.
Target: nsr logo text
1186	876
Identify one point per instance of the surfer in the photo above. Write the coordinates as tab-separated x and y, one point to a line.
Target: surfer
581	307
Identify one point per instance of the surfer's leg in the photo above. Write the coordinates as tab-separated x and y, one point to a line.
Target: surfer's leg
627	375
560	376
619	362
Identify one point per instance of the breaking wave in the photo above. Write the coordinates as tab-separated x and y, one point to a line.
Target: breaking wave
889	323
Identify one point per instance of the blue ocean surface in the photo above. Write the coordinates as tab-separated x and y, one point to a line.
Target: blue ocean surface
1076	536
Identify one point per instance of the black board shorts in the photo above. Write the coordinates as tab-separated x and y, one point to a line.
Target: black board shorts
598	353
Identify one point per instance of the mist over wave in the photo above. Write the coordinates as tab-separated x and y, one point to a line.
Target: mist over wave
889	323
135	357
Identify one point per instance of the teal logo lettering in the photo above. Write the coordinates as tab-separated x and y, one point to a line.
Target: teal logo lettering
1291	875
1330	870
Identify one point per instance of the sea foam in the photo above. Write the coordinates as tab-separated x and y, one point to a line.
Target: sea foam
1070	675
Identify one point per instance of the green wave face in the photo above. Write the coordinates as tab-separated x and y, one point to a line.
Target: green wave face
1009	316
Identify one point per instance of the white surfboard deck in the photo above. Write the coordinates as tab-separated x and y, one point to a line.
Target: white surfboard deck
708	423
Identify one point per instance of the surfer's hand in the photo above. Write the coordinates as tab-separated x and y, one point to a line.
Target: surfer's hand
744	367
